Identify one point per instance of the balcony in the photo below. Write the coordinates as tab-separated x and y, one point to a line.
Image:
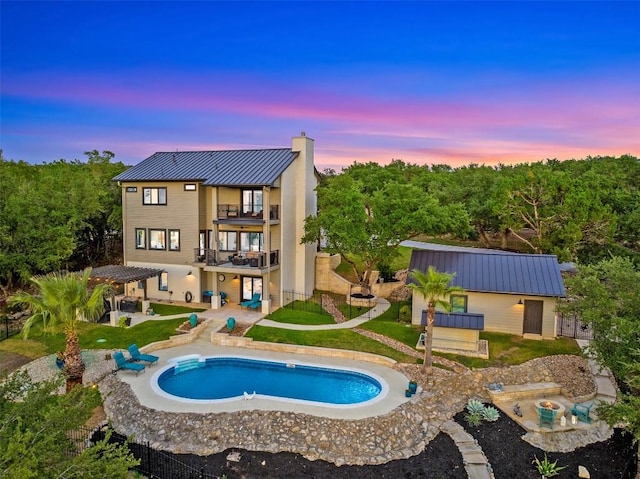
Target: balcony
244	260
245	214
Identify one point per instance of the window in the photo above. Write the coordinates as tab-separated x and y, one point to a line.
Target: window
157	239
251	286
251	202
251	241
228	240
458	303
132	189
189	187
174	240
163	281
141	238
154	196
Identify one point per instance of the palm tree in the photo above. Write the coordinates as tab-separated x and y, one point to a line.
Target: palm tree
434	287
63	299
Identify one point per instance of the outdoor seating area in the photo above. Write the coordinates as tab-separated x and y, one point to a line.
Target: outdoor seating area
541	407
134	361
254	303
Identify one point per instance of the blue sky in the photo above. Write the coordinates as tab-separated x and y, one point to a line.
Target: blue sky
427	82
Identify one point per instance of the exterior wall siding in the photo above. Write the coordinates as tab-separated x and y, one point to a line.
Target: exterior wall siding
502	313
454	338
181	212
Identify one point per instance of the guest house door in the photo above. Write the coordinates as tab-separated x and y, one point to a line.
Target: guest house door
532	317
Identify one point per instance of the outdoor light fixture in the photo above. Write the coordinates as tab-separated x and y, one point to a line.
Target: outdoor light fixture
189	273
520	302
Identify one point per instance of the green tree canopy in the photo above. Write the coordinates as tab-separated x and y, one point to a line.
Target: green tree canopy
34	439
366	225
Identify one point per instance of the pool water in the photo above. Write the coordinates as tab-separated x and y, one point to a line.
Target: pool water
220	378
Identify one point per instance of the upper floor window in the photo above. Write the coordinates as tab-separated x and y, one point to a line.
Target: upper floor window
251	201
141	238
154	196
228	240
157	239
458	303
251	241
174	240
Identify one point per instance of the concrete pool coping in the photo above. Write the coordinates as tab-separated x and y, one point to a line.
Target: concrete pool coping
142	385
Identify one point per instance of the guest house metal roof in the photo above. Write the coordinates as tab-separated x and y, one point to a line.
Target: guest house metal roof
494	272
213	168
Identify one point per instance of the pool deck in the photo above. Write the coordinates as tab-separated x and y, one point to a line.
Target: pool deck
142	385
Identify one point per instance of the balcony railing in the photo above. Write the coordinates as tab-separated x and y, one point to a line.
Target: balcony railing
248	259
235	212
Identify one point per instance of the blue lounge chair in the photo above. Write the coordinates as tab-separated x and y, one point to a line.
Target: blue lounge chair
251	303
136	355
121	363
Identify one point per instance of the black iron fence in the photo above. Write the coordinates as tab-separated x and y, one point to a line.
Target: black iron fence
324	303
9	328
571	326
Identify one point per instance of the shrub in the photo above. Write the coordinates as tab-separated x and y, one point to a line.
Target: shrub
491	414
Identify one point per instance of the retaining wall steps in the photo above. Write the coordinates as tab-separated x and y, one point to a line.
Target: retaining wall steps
525	391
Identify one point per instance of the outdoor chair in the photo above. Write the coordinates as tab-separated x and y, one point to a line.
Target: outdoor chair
136	355
547	416
251	303
123	364
581	411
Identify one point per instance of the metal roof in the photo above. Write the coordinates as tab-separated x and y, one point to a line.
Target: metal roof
510	273
456	320
213	168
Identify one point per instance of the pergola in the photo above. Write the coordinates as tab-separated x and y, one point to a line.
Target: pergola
115	273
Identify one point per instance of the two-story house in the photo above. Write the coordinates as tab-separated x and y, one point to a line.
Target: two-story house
222	222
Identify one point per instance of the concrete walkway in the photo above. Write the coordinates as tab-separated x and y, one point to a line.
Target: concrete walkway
606	389
381	306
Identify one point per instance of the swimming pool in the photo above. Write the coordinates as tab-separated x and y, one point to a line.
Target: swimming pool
195	378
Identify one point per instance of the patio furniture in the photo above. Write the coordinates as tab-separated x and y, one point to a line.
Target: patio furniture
252	303
123	364
581	411
547	416
136	355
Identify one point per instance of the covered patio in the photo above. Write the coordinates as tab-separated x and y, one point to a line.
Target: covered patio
120	274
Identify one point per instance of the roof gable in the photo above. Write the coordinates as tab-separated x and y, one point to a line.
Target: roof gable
510	273
213	168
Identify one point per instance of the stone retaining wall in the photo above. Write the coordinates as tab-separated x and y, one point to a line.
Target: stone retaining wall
402	433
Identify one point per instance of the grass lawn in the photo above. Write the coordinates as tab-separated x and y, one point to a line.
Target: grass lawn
337	338
299	316
164	309
508	350
40	344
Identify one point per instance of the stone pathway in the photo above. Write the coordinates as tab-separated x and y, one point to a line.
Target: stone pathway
475	462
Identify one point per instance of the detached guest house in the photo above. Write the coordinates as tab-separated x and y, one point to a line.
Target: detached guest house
221	222
503	292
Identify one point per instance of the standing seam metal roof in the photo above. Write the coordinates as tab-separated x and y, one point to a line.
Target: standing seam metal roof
213	168
511	273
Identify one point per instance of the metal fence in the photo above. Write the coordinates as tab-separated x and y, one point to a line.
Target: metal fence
318	303
9	328
572	327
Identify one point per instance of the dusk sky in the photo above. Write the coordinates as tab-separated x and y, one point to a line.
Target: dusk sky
426	82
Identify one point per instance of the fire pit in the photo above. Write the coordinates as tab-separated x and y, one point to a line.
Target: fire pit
547	403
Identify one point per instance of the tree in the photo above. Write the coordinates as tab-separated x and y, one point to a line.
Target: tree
34	433
365	225
63	299
434	287
606	296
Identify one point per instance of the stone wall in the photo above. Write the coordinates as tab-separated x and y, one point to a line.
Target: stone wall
402	433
